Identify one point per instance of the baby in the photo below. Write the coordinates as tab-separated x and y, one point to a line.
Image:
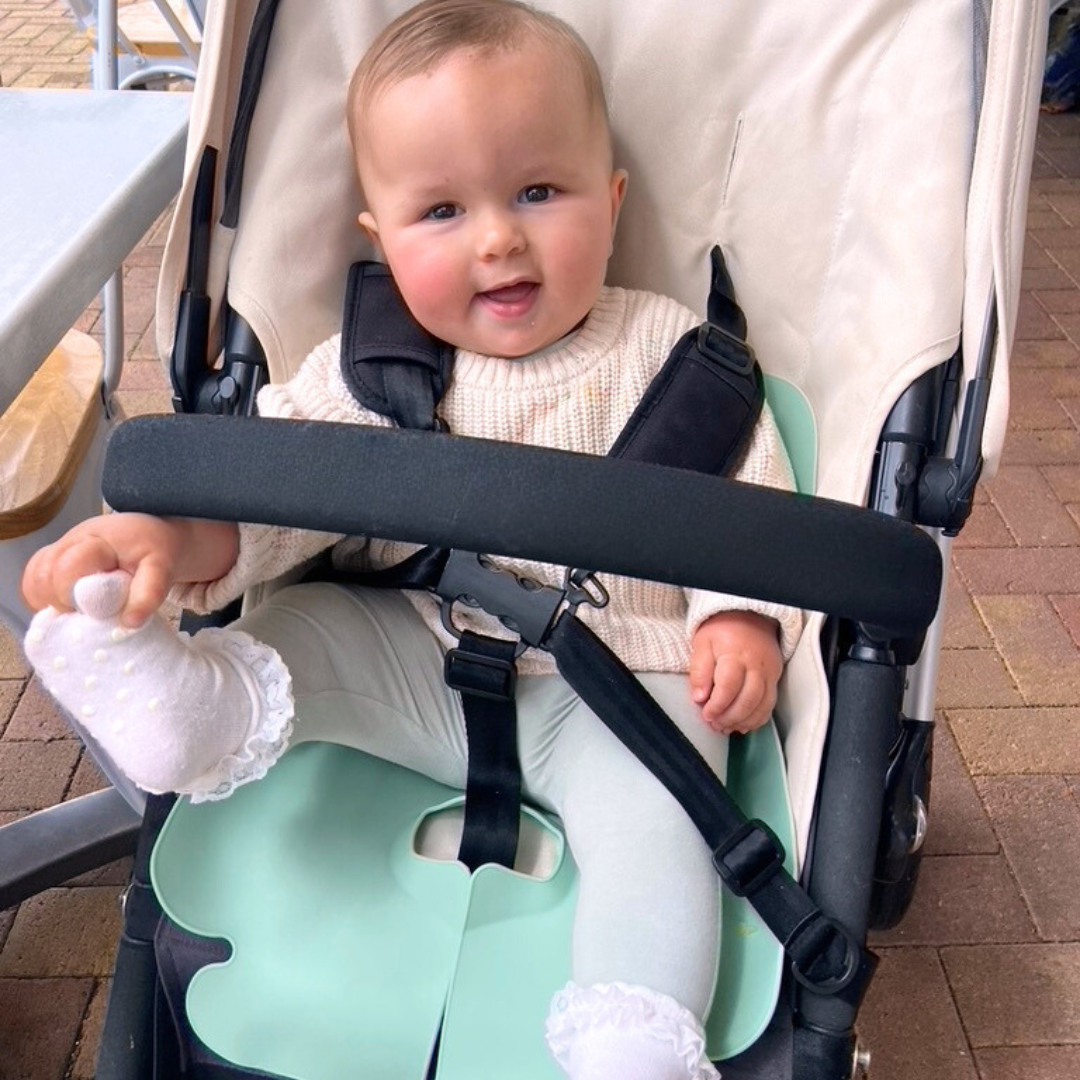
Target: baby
482	144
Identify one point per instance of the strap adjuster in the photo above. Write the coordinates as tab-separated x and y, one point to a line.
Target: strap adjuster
482	676
814	941
723	347
748	857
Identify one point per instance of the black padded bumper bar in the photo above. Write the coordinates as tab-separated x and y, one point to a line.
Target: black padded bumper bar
603	514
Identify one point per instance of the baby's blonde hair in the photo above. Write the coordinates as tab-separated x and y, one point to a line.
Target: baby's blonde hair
422	37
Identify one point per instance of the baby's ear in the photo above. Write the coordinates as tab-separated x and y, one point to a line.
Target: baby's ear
370	226
619	180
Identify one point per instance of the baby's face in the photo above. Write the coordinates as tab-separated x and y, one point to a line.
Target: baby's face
492	198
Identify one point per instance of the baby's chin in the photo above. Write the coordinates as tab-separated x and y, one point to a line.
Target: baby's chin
519	346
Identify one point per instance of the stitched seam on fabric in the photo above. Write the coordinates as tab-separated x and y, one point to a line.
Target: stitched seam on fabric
732	158
338	37
355	368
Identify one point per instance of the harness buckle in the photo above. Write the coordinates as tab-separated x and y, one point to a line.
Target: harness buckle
724	348
748	857
522	605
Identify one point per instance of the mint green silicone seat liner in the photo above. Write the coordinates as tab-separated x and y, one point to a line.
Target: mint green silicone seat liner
348	948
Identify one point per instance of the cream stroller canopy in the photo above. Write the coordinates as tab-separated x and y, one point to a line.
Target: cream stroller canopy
829	148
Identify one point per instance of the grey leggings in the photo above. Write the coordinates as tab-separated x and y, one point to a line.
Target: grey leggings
367	673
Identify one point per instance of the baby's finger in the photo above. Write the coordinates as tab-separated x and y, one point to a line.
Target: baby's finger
38	585
82	557
701	670
147	593
36	577
728	678
753	707
749	701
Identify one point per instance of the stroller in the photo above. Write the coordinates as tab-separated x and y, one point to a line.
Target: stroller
875	244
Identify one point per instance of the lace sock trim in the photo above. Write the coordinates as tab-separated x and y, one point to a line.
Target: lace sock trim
270	683
633	1008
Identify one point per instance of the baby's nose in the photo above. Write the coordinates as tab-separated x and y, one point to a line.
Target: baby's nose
501	235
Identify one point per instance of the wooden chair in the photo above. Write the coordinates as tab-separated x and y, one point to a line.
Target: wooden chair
52	441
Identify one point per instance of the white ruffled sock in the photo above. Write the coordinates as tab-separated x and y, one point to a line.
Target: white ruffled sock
614	1031
197	715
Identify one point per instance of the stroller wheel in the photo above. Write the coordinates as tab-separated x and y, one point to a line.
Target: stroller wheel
903	825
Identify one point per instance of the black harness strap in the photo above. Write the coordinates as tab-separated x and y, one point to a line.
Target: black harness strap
698	414
700	410
482	669
746	854
392	365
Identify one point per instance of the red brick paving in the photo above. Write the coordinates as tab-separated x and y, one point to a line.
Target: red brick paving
982	979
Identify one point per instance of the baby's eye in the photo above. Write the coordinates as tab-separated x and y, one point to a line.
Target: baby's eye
536	193
442	212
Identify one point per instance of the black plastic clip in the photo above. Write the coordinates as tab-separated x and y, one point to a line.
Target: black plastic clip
724	348
748	857
584	587
522	605
482	676
814	941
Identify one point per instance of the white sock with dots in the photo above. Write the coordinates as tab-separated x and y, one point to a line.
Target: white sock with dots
615	1031
197	715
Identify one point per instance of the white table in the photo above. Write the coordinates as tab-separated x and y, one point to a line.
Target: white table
83	175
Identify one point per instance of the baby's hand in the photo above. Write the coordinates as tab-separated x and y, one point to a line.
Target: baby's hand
735	664
156	552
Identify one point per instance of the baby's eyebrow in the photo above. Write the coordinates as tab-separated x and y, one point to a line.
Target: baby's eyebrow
429	191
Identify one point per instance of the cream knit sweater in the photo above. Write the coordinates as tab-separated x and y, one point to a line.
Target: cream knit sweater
575	395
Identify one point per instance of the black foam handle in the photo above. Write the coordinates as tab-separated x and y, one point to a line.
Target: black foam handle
613	516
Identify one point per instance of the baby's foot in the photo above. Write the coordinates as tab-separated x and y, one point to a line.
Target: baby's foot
198	715
615	1031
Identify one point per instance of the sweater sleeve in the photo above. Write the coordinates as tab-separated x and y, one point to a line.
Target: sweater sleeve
316	392
764	463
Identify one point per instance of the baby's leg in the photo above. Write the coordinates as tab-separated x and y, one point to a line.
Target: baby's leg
203	715
367	673
646	935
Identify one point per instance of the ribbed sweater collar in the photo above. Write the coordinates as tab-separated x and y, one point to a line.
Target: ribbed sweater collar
567	359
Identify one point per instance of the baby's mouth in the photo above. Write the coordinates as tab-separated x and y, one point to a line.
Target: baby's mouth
511	300
511	294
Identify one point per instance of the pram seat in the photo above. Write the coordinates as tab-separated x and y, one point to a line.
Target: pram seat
417	945
334	832
349	946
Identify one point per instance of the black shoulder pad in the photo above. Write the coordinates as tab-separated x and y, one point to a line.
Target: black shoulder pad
392	365
700	409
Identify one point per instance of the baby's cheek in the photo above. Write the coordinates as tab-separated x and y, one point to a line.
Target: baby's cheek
428	283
